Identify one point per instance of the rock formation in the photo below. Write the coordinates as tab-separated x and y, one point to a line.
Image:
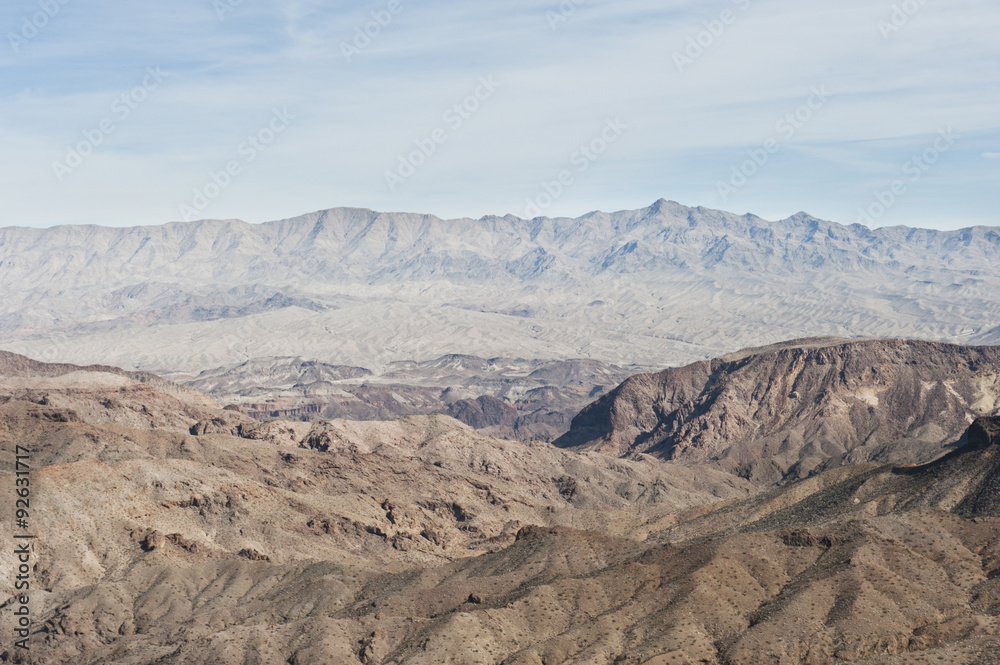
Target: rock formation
786	411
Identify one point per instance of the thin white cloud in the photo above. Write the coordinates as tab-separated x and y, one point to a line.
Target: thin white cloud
607	59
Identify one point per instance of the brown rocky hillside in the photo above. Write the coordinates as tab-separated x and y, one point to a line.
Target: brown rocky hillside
787	410
172	531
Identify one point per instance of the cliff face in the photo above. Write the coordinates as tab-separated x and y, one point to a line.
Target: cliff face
787	410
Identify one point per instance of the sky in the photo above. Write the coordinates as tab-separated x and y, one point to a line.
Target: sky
123	114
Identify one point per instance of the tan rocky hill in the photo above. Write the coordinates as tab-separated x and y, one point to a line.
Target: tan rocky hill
173	531
787	410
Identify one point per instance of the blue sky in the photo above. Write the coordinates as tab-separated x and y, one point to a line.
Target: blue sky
265	87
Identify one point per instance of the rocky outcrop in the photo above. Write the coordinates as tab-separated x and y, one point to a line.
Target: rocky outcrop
484	412
785	411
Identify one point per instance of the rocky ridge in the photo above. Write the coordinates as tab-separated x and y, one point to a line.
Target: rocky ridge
786	411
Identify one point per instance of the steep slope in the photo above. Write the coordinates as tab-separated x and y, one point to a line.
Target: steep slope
659	286
961	483
787	410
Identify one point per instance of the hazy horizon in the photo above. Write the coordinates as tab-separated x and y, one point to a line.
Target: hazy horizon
476	218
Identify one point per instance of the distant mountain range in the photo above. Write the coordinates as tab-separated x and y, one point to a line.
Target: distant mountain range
661	285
